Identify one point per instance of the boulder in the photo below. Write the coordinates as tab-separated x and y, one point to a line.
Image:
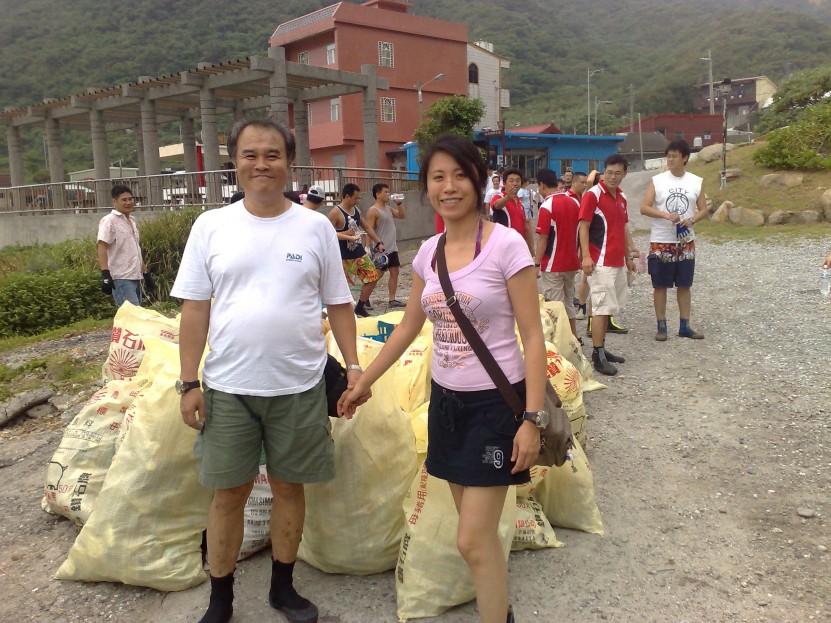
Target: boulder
21	403
711	153
826	204
721	215
732	174
806	217
780	217
747	217
711	207
788	180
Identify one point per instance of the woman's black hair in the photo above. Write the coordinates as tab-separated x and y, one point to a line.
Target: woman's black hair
466	155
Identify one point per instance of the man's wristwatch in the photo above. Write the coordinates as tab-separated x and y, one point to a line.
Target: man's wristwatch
354	366
183	387
537	418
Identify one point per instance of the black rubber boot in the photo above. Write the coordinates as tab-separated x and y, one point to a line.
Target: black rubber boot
221	606
613	358
284	598
601	364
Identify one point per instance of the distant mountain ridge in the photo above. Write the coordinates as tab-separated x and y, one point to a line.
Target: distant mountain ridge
55	49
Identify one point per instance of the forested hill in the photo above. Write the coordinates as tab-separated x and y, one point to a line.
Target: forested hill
50	48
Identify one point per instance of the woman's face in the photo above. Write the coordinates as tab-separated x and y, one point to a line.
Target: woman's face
450	191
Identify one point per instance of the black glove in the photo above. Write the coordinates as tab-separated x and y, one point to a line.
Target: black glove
149	284
106	282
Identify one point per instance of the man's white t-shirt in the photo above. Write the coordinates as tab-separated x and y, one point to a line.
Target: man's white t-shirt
675	195
268	278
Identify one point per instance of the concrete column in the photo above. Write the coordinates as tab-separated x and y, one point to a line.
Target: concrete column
152	163
15	165
191	164
370	118
55	151
301	137
279	92
139	134
239	111
210	146
100	157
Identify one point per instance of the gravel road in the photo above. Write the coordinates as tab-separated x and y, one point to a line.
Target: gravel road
711	459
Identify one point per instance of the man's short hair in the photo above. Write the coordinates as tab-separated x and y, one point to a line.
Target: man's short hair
614	159
120	189
378	188
576	174
512	171
547	177
349	190
270	124
680	146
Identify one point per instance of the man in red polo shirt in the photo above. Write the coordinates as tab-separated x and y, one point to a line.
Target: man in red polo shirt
607	247
507	210
557	258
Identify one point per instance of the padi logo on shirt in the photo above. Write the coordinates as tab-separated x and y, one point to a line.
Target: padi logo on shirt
294	257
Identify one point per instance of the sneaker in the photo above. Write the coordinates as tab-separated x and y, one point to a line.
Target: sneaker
614	358
615	327
661	336
361	312
602	365
368	305
693	335
393	304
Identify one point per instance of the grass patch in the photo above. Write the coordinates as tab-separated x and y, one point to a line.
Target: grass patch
76	328
782	235
745	191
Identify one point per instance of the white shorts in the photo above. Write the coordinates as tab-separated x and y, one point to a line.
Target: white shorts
559	287
609	290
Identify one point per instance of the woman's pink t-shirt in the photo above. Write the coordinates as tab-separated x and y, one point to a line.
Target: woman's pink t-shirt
482	290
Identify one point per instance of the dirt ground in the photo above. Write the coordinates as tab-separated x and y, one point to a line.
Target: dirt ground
711	459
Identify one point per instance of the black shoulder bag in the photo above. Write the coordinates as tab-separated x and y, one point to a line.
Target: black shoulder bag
555	438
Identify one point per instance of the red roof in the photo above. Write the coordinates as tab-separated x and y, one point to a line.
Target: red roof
536	129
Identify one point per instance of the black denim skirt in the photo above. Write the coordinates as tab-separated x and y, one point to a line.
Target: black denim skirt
471	436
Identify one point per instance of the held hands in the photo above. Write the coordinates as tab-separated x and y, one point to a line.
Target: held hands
106	282
526	447
192	407
354	396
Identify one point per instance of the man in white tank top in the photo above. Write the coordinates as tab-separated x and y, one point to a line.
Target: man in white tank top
675	201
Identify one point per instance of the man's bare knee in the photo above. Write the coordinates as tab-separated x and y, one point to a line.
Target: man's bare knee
287	491
231	500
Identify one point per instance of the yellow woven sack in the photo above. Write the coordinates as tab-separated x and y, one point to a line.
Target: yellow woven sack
553	313
567	494
147	526
131	326
431	575
354	522
533	531
76	472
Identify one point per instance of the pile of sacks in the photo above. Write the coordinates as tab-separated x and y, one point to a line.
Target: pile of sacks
125	472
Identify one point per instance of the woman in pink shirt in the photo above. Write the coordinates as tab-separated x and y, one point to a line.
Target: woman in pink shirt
475	443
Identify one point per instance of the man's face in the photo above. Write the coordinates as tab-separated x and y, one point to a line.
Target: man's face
262	165
567	177
383	195
578	184
675	160
495	181
124	203
613	176
513	182
351	200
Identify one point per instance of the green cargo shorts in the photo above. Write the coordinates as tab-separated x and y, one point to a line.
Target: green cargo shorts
294	430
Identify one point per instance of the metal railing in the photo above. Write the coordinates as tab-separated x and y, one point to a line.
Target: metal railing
170	191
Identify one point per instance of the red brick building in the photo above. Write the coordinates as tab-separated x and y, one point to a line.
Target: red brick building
697	129
408	50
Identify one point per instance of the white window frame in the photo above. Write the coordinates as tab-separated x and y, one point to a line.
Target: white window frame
387	110
303	58
330	54
386	54
334	109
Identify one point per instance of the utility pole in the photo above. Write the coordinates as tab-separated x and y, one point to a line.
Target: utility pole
589	73
631	107
709	59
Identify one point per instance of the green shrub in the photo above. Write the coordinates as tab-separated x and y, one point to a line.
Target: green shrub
33	303
163	243
806	144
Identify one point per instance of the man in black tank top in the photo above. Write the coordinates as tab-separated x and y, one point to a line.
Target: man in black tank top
350	226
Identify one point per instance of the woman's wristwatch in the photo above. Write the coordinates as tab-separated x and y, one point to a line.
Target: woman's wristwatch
354	366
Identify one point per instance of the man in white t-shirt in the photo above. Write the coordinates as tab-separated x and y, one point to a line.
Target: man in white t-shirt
493	189
256	273
675	202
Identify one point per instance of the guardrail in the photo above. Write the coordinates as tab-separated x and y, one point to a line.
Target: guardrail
169	191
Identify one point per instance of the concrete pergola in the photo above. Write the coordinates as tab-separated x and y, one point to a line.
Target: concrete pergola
232	87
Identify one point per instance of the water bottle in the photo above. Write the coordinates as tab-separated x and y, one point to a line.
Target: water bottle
640	267
825	282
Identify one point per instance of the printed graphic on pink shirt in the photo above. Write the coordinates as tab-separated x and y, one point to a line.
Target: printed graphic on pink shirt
449	343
